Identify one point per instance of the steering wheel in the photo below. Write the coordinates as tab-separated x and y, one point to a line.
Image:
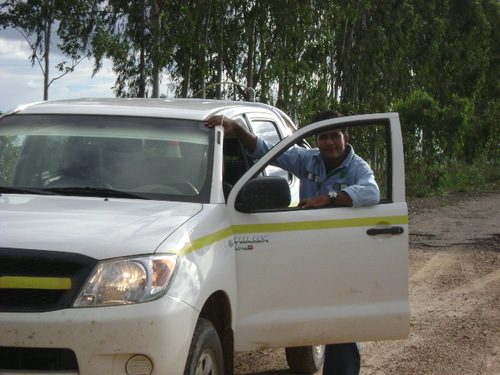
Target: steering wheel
180	184
170	185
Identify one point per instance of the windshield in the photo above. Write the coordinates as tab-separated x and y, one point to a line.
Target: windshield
148	158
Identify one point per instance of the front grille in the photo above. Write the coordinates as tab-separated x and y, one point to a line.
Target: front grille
21	263
37	359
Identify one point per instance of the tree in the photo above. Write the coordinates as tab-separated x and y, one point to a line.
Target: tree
437	62
35	21
134	35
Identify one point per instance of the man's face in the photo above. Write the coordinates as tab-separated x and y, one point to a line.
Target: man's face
332	144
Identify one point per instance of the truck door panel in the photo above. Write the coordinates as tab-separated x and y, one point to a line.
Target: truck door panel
317	276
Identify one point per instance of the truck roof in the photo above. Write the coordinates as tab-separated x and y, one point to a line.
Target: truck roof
194	109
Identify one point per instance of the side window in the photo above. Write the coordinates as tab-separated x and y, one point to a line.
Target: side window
236	162
268	132
372	144
371	141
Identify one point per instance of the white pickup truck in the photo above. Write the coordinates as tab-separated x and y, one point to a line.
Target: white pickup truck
135	240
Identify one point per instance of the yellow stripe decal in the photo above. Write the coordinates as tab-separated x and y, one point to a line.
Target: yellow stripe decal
289	227
24	282
205	241
319	224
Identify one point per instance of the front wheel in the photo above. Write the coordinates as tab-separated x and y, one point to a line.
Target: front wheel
205	353
305	359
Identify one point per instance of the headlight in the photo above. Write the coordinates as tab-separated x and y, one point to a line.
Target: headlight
127	281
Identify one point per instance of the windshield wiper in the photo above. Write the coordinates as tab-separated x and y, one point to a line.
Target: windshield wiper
94	191
19	190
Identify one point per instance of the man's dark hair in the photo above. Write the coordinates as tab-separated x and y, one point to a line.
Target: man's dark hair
329	114
325	115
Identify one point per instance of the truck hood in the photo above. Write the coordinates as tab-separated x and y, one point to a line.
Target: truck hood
96	227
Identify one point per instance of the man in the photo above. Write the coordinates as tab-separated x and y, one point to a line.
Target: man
331	174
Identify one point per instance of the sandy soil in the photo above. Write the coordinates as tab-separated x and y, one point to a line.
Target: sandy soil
454	295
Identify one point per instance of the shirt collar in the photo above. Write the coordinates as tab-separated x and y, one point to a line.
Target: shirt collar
345	163
350	156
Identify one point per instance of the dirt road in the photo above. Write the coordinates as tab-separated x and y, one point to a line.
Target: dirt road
454	295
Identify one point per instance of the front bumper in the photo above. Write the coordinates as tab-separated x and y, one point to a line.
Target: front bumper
104	339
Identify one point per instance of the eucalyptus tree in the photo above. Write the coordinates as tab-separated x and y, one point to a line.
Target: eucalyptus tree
486	138
213	40
134	36
36	20
249	46
185	19
453	62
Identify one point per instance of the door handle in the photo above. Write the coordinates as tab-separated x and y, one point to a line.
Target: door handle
391	230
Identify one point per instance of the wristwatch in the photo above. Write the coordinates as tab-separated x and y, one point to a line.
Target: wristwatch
333	195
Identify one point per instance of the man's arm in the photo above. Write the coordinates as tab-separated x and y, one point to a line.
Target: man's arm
365	192
248	139
342	199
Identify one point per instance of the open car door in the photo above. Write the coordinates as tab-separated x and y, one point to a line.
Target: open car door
325	275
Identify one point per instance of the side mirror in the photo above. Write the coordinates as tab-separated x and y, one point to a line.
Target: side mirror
264	193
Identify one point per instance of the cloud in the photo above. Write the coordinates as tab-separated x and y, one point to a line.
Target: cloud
22	83
33	84
11	50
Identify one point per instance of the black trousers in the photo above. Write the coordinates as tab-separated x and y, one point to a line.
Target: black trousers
342	359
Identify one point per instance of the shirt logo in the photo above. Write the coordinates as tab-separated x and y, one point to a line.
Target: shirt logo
312	177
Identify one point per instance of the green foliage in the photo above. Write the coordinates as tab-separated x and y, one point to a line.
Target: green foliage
462	177
435	62
435	137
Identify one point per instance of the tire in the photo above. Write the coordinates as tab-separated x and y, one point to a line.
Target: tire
205	354
305	359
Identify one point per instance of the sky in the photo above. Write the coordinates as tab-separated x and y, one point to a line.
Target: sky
21	83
